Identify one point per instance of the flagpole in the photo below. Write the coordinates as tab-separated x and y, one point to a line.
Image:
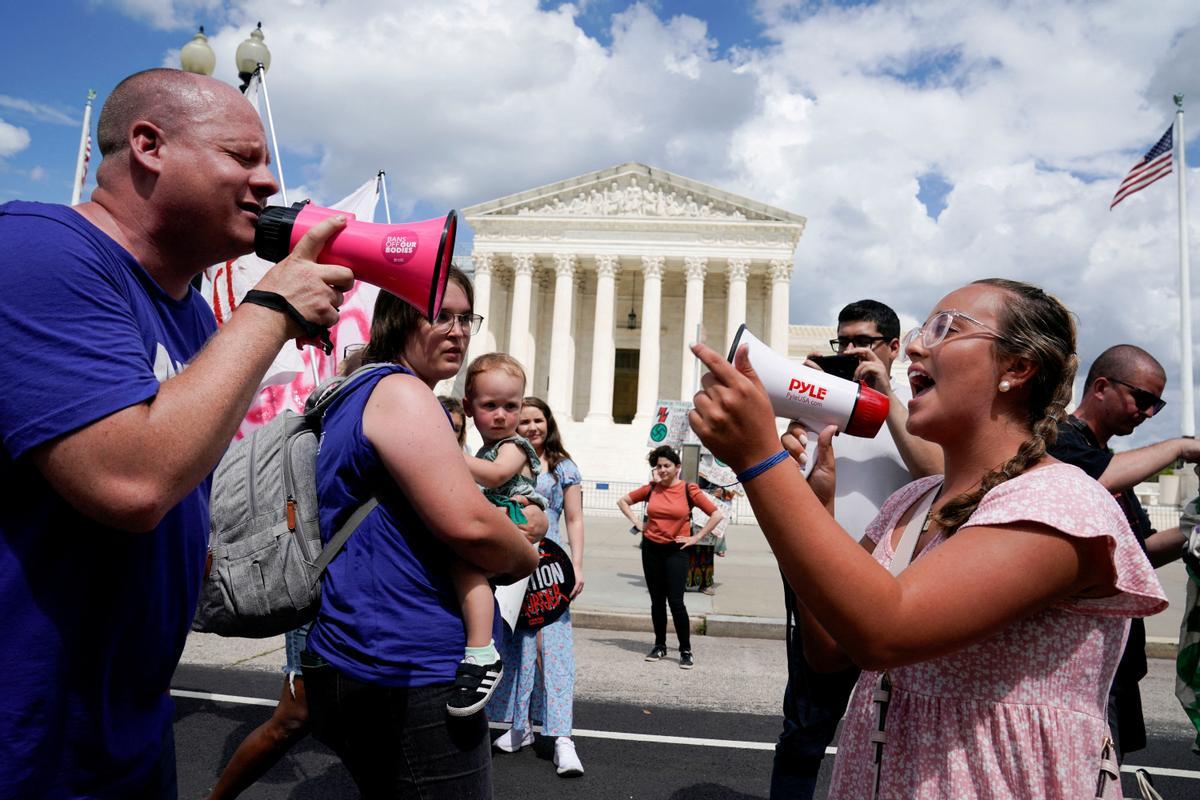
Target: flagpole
262	82
387	211
77	189
1185	290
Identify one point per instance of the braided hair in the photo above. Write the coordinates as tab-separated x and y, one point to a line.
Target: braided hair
1036	326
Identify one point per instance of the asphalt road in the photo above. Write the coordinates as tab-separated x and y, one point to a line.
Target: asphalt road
646	750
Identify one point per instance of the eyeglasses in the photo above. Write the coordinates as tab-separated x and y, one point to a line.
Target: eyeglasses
447	320
1146	402
842	342
937	328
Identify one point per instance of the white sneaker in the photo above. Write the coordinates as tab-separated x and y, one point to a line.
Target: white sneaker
566	759
513	740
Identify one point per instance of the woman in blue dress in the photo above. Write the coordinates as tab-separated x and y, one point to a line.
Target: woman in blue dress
560	483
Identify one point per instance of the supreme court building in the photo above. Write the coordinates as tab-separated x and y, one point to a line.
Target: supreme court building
598	284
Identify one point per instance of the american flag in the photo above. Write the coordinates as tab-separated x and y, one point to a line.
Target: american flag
1154	165
87	156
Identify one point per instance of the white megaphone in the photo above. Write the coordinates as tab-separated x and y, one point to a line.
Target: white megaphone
812	397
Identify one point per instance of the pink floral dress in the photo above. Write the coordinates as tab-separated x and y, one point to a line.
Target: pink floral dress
1022	714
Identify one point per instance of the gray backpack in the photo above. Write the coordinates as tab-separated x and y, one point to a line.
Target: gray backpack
265	557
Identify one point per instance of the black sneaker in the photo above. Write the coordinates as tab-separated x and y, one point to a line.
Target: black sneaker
473	687
685	659
659	652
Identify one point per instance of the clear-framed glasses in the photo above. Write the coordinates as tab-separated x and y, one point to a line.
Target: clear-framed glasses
1147	402
842	342
937	328
468	322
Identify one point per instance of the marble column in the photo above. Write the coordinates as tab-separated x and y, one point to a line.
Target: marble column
649	355
485	340
541	288
562	337
781	279
518	325
694	269
735	308
604	350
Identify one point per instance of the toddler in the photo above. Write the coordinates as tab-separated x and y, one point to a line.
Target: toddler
505	468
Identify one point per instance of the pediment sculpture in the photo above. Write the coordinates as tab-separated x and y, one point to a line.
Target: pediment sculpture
632	200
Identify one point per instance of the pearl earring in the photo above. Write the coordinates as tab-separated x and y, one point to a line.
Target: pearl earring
1004	386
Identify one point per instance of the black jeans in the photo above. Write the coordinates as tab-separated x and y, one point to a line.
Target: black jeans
398	742
813	704
665	567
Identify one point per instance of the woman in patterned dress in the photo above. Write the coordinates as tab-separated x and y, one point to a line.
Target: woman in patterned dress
987	662
560	483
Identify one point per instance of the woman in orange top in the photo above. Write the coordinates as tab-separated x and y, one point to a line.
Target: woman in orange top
666	532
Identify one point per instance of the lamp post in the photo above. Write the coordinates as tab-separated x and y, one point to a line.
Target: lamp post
631	321
197	56
250	54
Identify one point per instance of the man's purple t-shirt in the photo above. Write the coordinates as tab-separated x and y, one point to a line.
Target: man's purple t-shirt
92	619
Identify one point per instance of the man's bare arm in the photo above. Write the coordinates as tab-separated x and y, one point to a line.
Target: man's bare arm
130	468
1130	468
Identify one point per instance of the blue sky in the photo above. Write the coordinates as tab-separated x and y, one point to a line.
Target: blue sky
927	143
91	47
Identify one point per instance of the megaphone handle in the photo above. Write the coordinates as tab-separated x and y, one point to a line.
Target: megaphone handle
322	341
810	450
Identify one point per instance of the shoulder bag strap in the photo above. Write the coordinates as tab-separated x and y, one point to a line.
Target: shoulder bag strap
908	540
882	695
1109	770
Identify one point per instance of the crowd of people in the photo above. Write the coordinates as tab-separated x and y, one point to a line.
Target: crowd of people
960	589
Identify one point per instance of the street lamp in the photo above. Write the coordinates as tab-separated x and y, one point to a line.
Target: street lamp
197	56
250	53
631	321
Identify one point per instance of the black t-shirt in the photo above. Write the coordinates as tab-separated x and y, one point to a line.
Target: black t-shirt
1077	444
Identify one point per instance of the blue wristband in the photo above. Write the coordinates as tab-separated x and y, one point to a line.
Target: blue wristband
761	467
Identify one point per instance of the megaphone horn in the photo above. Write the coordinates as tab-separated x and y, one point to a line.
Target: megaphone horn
400	258
811	396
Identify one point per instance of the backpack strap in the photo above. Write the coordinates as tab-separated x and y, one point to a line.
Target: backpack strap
314	412
338	539
324	395
646	510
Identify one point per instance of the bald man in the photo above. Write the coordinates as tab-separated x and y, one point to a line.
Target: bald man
1123	389
118	399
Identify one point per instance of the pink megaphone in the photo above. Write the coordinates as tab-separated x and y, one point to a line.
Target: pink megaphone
409	259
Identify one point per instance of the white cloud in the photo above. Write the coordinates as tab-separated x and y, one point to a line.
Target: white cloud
463	103
40	112
169	14
12	139
37	173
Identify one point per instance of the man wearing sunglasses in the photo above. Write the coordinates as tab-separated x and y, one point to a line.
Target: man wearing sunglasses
1123	389
868	471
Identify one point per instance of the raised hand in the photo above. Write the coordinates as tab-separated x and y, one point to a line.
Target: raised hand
312	288
733	415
